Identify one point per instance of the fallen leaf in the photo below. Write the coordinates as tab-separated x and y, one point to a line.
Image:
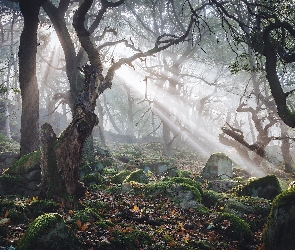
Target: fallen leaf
6	214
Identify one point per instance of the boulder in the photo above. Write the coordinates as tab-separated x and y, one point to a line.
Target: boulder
219	165
23	177
279	232
137	176
267	187
49	231
222	185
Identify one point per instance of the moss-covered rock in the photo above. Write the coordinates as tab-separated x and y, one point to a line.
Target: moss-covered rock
127	240
120	177
39	207
219	165
210	198
234	227
188	181
267	187
182	191
49	231
137	176
23	177
25	164
279	232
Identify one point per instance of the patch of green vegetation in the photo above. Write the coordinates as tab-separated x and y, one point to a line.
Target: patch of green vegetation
9	181
116	189
86	215
120	177
234	227
24	163
254	205
201	244
210	198
104	224
127	240
39	207
184	174
93	178
138	176
189	182
17	212
49	231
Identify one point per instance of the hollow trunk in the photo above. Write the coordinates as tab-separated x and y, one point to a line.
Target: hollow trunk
62	156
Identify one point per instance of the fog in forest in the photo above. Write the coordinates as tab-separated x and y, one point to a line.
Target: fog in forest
200	94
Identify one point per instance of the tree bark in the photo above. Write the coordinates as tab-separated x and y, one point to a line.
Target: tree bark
27	77
63	156
285	147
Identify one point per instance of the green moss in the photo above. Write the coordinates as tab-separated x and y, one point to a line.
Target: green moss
24	163
266	187
120	177
39	207
189	182
234	227
16	212
49	231
127	240
8	181
184	173
137	176
279	232
85	215
287	198
189	188
210	198
94	178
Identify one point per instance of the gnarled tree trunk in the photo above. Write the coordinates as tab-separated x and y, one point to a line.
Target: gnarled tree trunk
62	156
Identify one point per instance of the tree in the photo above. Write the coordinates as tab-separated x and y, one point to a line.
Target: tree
63	155
269	31
27	76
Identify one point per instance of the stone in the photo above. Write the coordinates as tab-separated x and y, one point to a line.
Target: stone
137	176
267	187
279	232
219	165
34	175
49	231
222	185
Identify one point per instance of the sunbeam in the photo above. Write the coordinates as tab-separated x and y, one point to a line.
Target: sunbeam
182	121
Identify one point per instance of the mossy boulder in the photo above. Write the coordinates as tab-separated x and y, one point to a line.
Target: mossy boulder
218	166
23	177
234	227
182	191
25	164
267	187
137	176
49	231
120	177
280	230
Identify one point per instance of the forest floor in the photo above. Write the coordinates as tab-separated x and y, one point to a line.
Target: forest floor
107	218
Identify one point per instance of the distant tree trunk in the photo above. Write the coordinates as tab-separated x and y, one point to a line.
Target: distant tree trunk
167	148
100	125
285	147
27	77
